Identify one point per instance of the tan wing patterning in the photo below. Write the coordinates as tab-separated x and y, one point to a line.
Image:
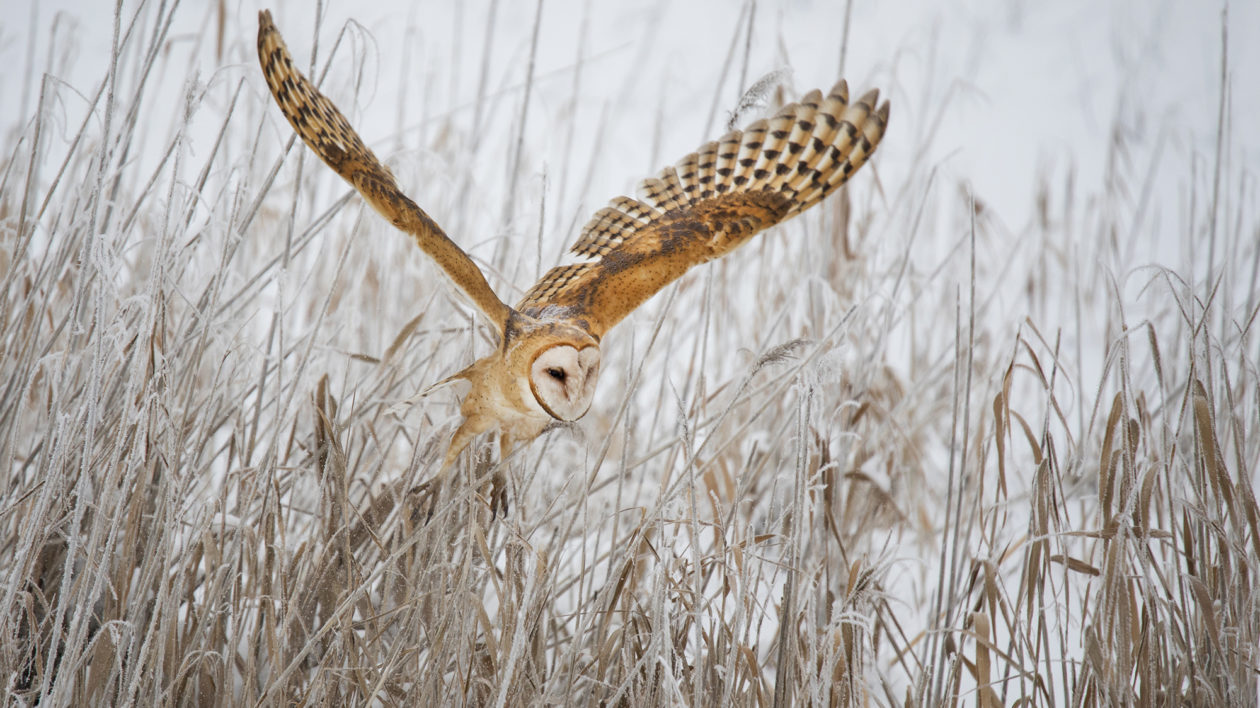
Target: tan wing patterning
329	134
711	202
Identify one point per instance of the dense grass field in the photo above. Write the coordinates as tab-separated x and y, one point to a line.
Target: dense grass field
898	451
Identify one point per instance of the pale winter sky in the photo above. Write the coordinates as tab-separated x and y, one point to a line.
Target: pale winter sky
1010	92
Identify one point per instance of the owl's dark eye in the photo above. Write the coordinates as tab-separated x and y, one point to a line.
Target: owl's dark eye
557	374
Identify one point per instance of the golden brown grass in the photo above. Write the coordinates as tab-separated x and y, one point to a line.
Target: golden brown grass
866	486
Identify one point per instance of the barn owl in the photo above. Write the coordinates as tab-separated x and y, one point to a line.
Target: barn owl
546	362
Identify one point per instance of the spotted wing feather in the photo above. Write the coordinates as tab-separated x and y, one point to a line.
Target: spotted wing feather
709	203
326	131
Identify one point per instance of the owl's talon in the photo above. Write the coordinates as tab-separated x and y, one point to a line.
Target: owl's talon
428	494
494	493
498	496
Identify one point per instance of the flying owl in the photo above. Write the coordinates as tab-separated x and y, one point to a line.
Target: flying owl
546	362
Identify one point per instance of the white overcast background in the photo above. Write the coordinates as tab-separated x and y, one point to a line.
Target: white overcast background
1014	90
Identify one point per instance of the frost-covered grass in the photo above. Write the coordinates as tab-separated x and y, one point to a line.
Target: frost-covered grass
896	451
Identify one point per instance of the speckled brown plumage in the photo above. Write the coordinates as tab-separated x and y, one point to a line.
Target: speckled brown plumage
711	202
328	133
708	204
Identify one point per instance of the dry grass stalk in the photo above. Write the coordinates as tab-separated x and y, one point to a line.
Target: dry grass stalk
211	456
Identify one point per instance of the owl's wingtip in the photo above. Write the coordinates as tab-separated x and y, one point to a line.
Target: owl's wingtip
840	90
870	99
266	27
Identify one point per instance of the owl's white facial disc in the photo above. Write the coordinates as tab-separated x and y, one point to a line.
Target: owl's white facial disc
563	380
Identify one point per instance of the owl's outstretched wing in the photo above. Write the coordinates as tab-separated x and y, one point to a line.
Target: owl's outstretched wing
328	133
710	203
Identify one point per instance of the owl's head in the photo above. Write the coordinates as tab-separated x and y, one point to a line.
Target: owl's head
555	366
545	372
562	378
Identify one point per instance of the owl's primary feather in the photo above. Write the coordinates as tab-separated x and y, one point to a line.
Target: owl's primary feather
705	206
710	203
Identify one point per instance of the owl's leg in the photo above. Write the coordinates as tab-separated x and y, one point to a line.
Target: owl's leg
467	430
464	435
431	490
498	478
